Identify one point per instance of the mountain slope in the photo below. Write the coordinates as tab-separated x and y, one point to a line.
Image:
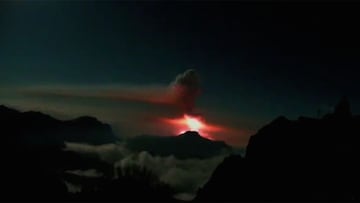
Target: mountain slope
303	160
187	145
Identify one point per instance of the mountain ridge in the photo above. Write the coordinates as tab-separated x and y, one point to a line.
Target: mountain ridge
38	128
307	159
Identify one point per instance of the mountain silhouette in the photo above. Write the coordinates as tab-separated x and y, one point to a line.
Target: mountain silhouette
187	145
35	128
35	166
294	160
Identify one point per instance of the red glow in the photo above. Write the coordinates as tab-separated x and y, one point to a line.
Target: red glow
192	123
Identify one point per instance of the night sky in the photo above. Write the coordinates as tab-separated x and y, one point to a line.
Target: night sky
256	61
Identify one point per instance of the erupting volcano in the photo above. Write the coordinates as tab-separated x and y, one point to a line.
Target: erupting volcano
183	93
192	123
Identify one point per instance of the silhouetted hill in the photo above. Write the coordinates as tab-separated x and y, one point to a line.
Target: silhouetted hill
35	166
37	173
307	160
35	128
187	145
33	158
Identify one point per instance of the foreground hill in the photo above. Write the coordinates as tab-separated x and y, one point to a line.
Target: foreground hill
303	160
35	166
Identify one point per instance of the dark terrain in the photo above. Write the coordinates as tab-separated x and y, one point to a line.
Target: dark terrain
303	160
34	162
309	159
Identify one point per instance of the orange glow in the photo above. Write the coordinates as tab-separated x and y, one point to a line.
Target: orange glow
192	123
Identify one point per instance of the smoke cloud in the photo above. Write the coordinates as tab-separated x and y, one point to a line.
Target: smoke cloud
186	89
181	93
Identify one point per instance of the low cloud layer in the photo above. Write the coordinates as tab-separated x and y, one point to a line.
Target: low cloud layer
108	152
186	176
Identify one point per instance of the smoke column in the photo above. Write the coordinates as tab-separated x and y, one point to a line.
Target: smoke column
186	89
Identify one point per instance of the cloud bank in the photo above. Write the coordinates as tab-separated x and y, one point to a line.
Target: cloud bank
184	175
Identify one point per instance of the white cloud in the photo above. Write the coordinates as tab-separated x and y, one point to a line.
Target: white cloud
184	175
107	152
86	173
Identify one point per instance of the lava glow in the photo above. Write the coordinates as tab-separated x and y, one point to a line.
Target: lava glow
192	123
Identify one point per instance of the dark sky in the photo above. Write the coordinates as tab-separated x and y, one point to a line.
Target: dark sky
256	60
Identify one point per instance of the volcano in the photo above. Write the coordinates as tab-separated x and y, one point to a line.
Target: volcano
192	135
186	145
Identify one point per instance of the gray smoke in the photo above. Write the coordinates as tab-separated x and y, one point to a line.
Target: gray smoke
186	88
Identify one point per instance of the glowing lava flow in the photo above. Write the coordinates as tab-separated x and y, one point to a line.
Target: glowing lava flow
192	123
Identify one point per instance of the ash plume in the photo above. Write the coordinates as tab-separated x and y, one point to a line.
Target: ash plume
181	92
186	89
